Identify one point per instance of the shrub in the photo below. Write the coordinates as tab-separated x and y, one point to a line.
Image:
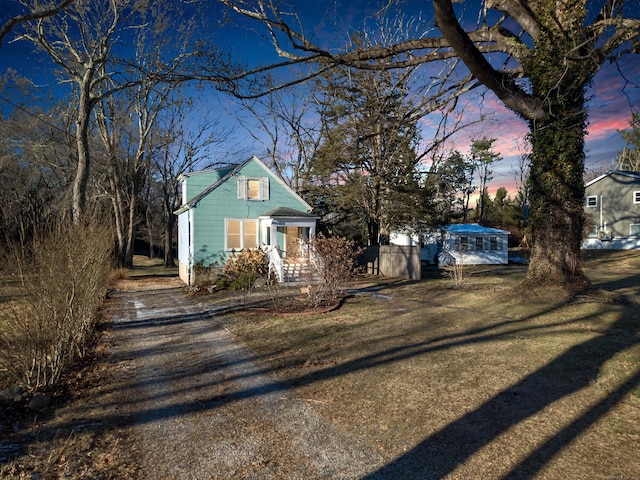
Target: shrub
205	276
334	263
457	271
64	280
243	268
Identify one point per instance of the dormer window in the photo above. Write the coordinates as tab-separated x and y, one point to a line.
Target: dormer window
252	188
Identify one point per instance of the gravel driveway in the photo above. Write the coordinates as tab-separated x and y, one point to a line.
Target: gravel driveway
201	405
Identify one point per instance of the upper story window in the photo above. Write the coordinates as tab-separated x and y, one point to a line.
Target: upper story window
592	201
253	188
636	197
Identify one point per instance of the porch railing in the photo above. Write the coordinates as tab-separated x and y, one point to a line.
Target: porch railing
275	263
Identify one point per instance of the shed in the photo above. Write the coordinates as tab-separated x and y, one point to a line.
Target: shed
473	244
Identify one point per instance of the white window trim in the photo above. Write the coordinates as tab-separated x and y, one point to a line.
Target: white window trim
498	243
636	196
242	222
243	188
631	227
462	247
595	204
478	246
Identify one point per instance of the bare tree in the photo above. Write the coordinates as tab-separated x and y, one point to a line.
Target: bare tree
548	52
629	157
181	147
33	15
79	41
35	149
287	129
521	177
126	119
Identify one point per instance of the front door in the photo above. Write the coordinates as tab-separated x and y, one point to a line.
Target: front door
293	242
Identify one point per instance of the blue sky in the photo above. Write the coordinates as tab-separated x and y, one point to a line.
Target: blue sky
610	105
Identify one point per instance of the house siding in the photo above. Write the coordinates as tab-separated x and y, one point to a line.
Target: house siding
184	253
485	256
615	210
200	181
222	203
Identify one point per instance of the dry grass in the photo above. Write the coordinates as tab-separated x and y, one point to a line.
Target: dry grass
475	382
145	266
487	383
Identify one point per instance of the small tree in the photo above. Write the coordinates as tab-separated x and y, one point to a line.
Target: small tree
629	158
483	157
334	263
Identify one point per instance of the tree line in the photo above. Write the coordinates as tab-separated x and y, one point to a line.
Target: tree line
119	141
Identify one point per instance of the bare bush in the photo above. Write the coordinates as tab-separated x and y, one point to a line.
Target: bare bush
457	271
333	262
243	268
64	279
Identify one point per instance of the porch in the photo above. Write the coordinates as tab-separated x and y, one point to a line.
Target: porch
286	232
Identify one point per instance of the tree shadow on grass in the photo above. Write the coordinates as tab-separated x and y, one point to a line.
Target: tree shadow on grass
568	373
440	453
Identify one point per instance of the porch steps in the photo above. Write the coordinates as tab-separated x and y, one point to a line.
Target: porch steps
296	272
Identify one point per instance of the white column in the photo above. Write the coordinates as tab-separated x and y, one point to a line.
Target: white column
274	235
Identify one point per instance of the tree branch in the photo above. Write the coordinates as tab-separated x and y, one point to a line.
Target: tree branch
12	22
503	86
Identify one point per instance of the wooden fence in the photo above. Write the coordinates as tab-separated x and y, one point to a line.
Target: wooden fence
392	261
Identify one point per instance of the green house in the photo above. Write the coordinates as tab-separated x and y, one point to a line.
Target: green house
238	207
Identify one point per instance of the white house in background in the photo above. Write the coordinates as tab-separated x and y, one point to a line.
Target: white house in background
612	208
466	243
429	243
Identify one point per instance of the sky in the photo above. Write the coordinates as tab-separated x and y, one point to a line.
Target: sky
610	105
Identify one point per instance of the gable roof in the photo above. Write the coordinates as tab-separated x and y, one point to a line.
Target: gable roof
228	172
625	173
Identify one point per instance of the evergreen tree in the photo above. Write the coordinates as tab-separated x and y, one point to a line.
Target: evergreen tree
482	157
365	168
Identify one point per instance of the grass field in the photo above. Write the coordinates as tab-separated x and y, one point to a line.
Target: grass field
487	381
482	381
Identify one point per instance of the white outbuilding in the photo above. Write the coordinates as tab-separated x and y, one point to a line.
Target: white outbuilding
472	244
465	243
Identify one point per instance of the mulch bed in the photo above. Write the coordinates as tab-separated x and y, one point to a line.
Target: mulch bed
296	307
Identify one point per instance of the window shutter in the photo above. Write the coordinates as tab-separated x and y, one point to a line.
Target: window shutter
264	188
242	187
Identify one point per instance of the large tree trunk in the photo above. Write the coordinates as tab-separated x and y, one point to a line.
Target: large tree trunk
557	192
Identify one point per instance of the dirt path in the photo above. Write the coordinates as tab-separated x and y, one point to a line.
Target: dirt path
201	406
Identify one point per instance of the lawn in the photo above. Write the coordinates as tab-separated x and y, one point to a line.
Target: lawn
474	382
